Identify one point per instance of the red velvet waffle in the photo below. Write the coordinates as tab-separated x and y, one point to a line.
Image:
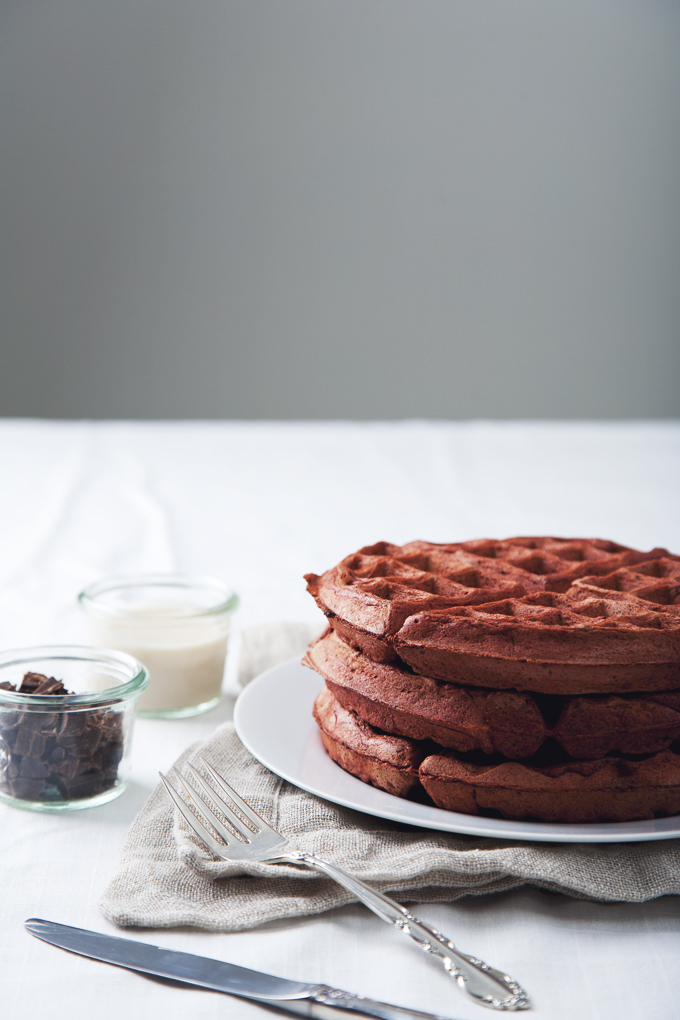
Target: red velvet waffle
609	789
390	763
552	666
510	723
559	616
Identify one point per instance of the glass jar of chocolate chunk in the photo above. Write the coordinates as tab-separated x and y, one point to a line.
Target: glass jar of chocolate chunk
66	720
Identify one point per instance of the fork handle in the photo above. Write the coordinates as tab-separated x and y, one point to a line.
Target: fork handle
488	986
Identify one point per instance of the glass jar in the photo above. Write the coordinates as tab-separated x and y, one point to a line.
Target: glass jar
65	751
177	625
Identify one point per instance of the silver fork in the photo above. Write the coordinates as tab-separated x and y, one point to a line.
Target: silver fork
260	842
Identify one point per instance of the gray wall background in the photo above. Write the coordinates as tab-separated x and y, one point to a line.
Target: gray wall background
340	208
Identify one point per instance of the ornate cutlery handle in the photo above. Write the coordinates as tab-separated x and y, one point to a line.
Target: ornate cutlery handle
334	1004
485	984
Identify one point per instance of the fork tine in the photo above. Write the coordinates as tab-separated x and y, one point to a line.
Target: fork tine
208	813
252	816
228	812
195	823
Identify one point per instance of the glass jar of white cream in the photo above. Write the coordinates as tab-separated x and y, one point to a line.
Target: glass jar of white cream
176	625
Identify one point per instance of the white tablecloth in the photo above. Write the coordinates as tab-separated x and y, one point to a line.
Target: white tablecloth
258	504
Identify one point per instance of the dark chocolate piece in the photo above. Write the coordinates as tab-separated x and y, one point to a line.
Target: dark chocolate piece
53	756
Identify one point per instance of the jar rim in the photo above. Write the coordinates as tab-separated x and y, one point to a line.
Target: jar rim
131	688
92	599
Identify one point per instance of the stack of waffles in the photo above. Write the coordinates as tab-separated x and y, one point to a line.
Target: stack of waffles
532	678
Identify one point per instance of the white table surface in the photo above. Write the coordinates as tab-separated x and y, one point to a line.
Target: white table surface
258	504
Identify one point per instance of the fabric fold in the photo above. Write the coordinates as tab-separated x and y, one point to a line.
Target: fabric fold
166	877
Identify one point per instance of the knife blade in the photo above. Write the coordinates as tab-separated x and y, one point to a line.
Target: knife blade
320	1002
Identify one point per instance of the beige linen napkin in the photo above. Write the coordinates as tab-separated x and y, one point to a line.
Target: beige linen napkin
165	877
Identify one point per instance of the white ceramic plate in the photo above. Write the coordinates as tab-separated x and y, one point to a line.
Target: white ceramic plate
273	718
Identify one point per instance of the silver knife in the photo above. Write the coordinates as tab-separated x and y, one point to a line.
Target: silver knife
319	1001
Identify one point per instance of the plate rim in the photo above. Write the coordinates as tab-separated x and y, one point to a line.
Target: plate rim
249	704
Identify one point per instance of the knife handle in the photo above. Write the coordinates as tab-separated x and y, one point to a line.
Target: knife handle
334	1004
485	984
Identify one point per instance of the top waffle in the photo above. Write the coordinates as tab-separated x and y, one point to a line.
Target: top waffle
560	616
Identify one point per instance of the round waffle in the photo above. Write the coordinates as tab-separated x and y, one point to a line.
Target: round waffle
557	616
510	723
609	789
390	763
532	677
